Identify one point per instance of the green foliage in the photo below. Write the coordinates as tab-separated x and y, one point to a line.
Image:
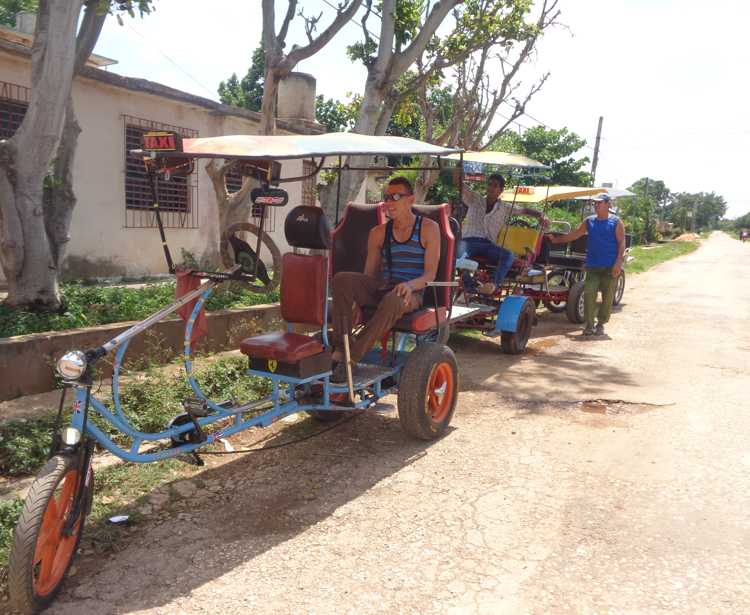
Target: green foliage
9	8
570	214
647	257
556	148
639	215
701	210
87	306
24	444
335	115
248	91
741	222
10	511
149	401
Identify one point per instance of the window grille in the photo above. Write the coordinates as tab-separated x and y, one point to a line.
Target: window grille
14	100
177	196
308	185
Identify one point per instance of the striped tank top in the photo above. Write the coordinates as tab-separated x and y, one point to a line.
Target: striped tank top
404	261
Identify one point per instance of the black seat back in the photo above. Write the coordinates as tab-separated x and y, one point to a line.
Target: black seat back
349	250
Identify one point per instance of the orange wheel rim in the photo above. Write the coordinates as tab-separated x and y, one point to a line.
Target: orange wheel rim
54	550
440	392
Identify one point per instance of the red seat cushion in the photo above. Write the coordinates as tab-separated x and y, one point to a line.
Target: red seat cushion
419	321
281	346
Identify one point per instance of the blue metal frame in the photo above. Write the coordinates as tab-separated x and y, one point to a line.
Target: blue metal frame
278	404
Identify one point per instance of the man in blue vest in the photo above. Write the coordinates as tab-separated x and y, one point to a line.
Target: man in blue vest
604	253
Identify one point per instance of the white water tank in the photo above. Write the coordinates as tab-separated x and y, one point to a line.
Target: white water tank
296	97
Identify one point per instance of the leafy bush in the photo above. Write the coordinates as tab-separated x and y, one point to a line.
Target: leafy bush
149	403
87	306
10	510
24	444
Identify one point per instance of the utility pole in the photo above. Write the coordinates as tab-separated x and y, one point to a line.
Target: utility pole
595	162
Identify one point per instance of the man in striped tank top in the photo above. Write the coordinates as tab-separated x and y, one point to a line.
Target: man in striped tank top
402	258
605	250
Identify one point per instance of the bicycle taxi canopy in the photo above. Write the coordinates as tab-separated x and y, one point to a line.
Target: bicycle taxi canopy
501	159
168	153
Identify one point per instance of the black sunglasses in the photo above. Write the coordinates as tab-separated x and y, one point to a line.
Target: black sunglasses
395	196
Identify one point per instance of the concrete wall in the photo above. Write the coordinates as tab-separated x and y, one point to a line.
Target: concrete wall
27	361
101	244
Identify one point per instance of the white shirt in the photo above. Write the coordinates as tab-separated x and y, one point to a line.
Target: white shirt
480	224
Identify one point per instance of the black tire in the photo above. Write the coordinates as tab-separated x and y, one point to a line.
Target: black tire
30	590
515	343
556	307
619	289
423	411
327	416
227	253
574	307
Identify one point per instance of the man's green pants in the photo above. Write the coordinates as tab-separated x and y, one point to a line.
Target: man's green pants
598	279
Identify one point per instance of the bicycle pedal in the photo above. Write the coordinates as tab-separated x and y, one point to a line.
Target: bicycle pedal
195	406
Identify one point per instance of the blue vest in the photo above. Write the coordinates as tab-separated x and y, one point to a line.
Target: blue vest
601	250
403	261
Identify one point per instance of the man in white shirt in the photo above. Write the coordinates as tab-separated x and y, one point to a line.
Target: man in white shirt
484	219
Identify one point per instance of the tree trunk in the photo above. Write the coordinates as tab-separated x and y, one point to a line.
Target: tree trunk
28	257
59	198
370	116
268	105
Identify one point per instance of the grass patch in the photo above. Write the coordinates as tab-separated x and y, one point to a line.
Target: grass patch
647	256
87	306
149	401
10	510
119	489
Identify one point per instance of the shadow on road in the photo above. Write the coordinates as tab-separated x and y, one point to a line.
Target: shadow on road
266	500
540	372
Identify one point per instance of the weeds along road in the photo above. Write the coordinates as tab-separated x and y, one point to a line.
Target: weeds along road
582	477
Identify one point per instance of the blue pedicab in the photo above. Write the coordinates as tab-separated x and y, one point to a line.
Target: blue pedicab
423	374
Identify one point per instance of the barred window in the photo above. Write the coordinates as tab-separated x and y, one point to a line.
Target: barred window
308	185
14	100
177	196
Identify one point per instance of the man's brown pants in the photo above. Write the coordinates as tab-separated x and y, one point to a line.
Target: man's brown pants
352	289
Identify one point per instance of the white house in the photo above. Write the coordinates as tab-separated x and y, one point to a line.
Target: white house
113	231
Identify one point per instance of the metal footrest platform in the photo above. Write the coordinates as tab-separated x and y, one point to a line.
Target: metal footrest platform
364	374
465	312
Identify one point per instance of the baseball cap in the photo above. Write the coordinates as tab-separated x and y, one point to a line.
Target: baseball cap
602	197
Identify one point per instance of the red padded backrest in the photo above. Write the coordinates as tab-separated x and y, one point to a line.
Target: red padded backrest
447	266
303	288
349	249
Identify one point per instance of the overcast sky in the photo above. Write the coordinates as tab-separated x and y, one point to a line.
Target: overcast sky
669	77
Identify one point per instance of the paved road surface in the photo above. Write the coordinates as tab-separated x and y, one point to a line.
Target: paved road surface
534	503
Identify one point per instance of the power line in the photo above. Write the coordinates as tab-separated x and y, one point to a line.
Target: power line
538	121
171	61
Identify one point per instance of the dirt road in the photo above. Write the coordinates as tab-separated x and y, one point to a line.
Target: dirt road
536	502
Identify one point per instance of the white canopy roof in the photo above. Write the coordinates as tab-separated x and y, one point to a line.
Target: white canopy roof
502	159
280	147
614	193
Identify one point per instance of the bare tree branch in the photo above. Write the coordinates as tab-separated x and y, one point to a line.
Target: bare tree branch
88	33
403	60
290	10
297	54
518	111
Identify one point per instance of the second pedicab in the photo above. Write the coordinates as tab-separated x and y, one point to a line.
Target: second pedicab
531	281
